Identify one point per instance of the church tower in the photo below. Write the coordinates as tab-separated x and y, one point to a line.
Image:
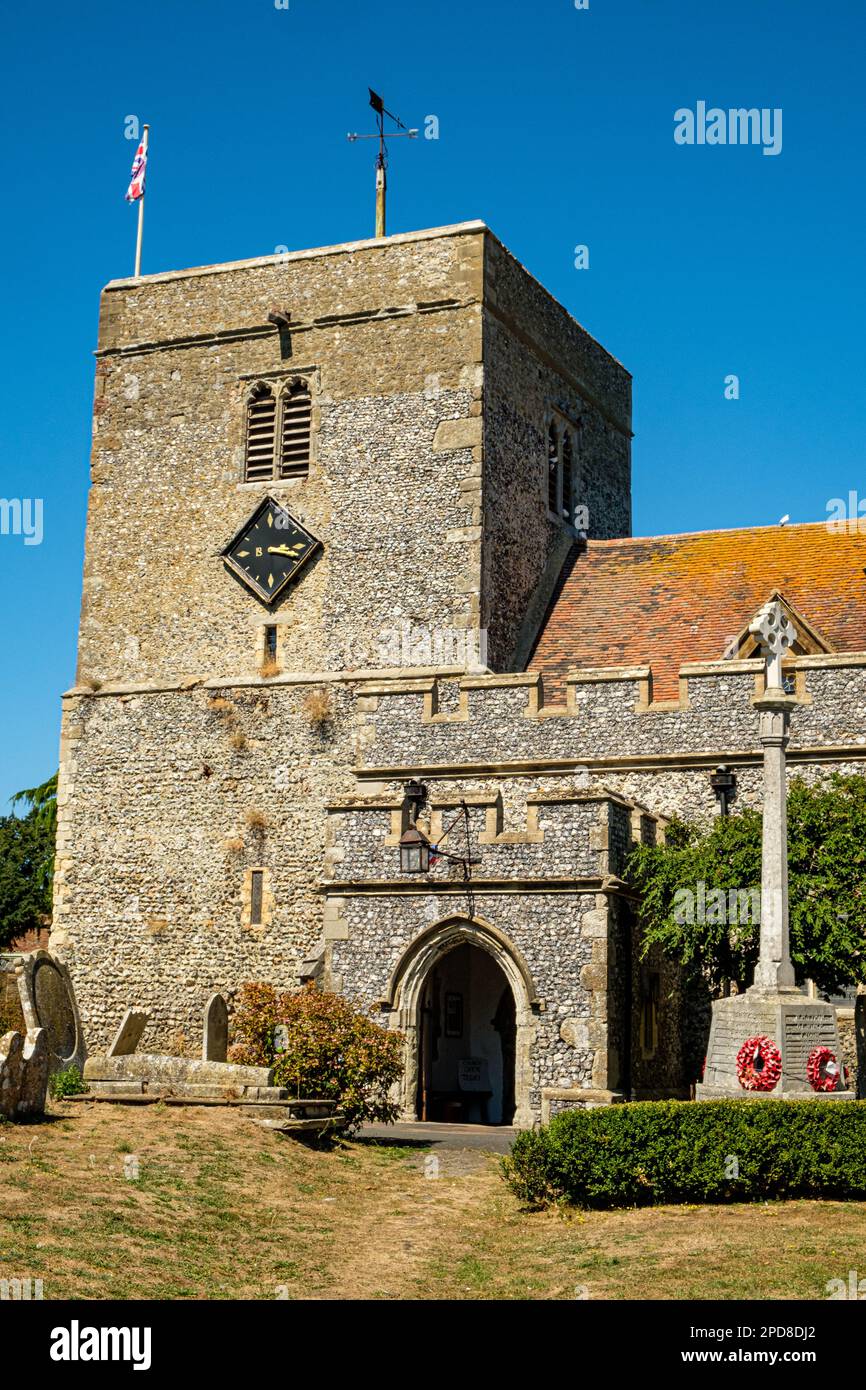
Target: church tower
305	466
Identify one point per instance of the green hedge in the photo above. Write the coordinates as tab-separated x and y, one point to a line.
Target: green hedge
683	1151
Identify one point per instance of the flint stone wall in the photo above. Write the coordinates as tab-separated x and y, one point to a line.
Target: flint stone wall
155	846
562	937
500	725
537	359
565	840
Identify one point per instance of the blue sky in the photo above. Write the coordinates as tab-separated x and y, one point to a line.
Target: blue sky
555	126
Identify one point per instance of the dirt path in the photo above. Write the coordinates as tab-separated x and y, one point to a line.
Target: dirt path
396	1241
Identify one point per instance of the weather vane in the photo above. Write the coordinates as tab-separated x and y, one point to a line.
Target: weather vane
378	106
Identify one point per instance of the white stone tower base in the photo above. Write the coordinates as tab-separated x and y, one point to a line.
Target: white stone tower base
795	1024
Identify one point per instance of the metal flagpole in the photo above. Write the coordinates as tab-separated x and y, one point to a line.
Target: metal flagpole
382	158
381	175
141	208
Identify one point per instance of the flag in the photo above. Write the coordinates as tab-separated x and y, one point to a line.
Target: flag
139	168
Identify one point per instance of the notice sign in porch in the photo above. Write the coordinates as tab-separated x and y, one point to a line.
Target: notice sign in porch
473	1074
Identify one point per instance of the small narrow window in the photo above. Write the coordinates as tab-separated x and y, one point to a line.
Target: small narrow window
257	883
261	424
553	469
567	477
270	644
297	410
649	1021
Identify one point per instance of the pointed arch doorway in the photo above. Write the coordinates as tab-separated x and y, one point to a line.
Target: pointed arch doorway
466	1040
464	999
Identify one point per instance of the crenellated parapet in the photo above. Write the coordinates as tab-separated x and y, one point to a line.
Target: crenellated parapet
562	837
609	717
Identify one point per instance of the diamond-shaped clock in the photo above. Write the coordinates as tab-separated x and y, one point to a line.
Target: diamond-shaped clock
269	549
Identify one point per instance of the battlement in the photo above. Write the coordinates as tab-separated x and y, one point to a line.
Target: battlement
609	715
571	836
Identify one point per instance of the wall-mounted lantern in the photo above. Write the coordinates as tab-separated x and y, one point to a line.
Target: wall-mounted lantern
414	846
724	783
414	851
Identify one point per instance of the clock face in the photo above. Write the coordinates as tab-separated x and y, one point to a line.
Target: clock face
269	549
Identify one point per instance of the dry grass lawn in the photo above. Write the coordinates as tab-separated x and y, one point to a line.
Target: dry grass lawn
224	1209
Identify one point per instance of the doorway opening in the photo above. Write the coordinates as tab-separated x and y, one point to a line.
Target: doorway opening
467	1040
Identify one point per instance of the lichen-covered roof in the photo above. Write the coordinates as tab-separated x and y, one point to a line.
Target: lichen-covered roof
665	600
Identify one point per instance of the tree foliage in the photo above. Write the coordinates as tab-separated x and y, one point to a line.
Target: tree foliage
827	888
27	861
329	1049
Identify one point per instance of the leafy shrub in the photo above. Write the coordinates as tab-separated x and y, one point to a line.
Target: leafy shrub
333	1051
68	1082
686	1151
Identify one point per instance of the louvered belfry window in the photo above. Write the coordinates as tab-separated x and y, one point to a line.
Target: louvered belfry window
297	408
261	425
279	424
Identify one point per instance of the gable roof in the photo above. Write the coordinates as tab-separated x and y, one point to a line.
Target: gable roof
665	600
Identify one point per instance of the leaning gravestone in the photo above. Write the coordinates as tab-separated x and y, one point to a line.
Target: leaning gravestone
128	1035
216	1030
772	1040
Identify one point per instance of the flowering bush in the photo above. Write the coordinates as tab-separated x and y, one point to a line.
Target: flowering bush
321	1046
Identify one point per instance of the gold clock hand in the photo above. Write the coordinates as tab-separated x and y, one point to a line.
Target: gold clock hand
283	549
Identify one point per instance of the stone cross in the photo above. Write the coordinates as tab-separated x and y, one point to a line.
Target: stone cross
216	1030
775	635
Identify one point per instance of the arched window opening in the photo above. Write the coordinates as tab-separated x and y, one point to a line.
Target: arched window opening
567	477
553	462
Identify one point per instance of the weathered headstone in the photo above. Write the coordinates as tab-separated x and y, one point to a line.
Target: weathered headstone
216	1030
34	1078
23	1074
772	1040
47	1000
54	1009
128	1035
28	1006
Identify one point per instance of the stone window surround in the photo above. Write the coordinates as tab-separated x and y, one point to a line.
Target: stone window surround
278	381
565	424
261	650
257	928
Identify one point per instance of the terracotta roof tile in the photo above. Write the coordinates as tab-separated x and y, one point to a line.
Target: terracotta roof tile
665	600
